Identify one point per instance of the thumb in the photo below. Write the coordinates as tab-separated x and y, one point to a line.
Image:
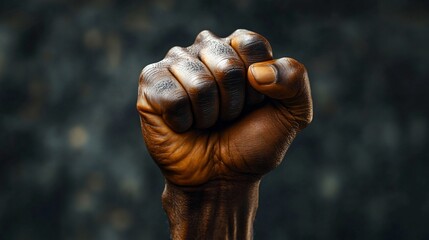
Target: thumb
286	81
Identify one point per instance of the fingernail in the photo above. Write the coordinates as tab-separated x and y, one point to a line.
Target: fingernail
264	74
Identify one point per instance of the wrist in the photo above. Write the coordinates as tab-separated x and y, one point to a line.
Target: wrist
219	209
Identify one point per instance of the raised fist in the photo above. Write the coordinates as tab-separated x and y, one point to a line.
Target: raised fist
222	109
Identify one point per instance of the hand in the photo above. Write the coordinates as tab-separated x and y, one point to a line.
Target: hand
215	117
222	108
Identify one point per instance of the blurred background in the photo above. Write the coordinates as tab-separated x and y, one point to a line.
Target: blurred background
73	164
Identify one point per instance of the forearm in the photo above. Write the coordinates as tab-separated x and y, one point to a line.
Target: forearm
216	210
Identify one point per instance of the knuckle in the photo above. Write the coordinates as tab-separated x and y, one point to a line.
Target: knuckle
190	70
215	48
192	66
203	35
253	43
241	31
218	48
148	72
176	51
165	86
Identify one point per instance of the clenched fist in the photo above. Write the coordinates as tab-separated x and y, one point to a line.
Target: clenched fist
218	113
222	108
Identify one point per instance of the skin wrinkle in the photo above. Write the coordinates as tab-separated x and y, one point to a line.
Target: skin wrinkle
164	85
213	162
285	114
178	150
194	66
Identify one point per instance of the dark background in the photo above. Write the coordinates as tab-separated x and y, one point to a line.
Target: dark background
73	163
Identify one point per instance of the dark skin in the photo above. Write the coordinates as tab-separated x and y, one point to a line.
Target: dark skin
216	116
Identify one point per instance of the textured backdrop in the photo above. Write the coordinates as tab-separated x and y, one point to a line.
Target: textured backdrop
73	163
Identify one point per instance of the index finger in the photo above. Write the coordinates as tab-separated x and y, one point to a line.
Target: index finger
252	48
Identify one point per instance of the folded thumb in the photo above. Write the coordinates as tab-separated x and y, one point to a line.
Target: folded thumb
280	79
286	81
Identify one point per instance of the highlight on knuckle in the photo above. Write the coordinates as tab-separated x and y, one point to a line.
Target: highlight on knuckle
254	47
241	31
148	72
203	35
177	51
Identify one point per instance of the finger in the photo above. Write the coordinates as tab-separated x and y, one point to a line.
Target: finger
285	80
162	95
228	71
200	86
252	48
